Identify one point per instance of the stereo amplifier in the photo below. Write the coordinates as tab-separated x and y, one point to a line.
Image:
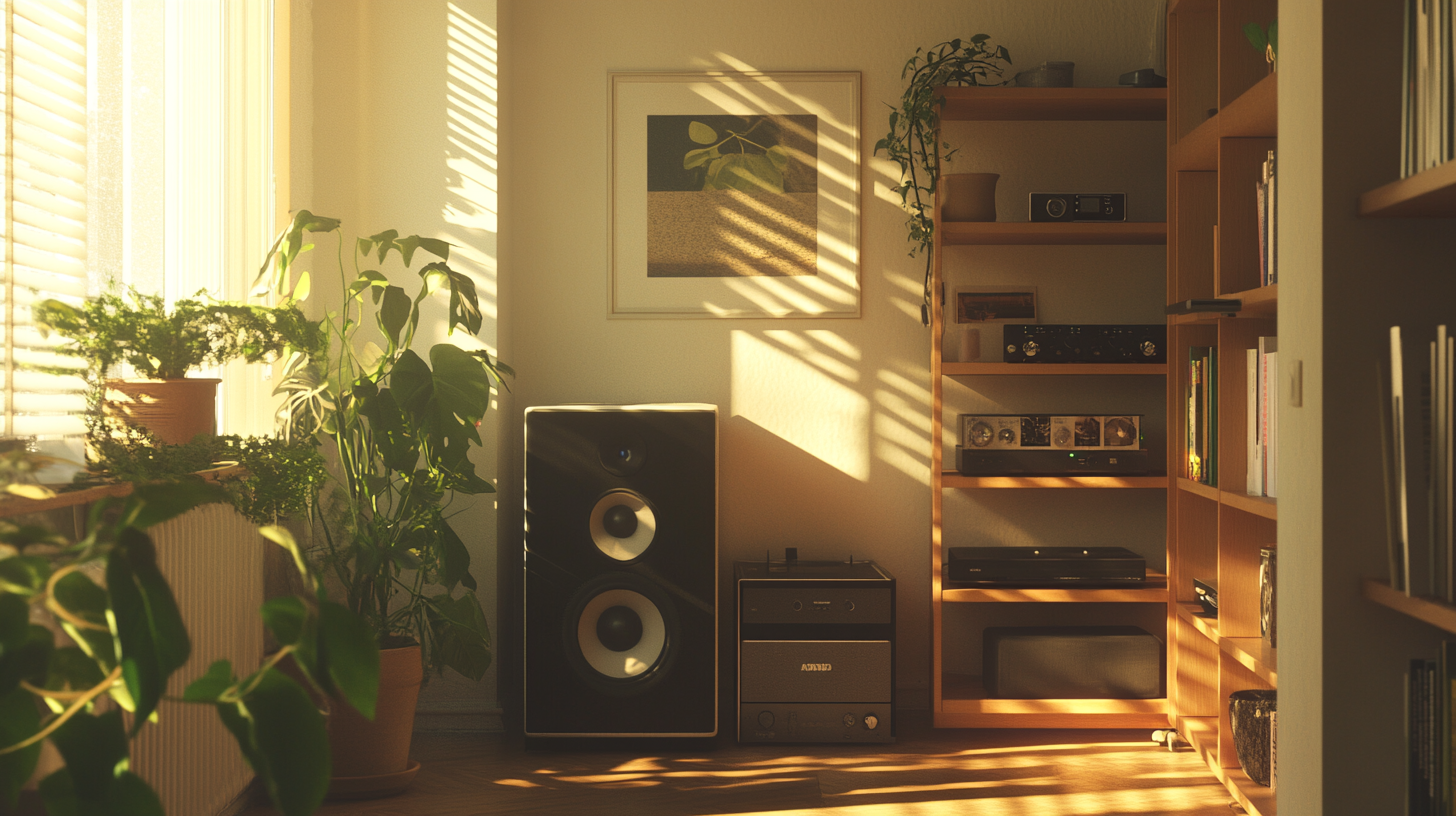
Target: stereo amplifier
1045	566
816	651
1071	343
1064	432
1077	206
1024	462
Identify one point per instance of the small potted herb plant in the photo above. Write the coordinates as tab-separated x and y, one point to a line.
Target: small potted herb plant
162	345
398	431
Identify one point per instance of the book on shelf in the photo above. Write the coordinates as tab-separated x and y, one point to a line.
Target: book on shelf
1268	197
1201	416
1418	418
1428	133
1262	426
1430	710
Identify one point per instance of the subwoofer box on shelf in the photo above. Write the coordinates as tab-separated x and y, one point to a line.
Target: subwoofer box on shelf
621	564
1072	662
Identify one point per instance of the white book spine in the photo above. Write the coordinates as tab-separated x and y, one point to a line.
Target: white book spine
1397	420
1271	444
1254	483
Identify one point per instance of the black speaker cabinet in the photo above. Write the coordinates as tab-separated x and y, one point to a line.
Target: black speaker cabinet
1073	662
621	562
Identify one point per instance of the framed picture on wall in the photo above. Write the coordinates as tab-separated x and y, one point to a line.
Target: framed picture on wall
735	195
995	304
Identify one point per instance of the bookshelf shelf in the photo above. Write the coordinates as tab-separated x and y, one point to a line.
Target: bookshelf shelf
965	705
1427	194
1252	654
1025	369
1198	489
984	233
953	479
1054	104
1430	610
1261	506
1155	590
1208	627
1202	734
1254	114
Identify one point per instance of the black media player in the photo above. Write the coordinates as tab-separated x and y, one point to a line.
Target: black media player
1023	462
1044	566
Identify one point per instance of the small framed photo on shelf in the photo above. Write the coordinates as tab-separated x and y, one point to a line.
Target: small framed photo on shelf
995	304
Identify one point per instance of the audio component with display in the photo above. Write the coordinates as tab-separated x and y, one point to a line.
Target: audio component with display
1078	206
1074	432
1205	590
1044	566
1072	662
1095	343
1045	462
816	651
621	571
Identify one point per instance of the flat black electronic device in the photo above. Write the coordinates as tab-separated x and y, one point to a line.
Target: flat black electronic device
1044	566
816	651
1078	206
1092	343
1143	78
1206	590
1024	462
1220	305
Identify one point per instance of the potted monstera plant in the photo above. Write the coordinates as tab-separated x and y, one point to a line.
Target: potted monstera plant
162	345
914	141
398	426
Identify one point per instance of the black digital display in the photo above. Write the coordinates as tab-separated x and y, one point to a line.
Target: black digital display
1088	204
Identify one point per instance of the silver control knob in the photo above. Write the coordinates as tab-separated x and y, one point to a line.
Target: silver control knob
1030	348
765	719
1149	348
871	722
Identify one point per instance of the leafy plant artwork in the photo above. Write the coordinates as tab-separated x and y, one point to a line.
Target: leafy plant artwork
736	168
84	622
914	143
1265	39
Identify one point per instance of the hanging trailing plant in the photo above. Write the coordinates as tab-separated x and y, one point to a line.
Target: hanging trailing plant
914	142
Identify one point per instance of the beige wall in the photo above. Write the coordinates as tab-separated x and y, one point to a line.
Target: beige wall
824	423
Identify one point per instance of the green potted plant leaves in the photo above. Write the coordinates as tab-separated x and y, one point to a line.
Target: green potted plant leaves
914	141
123	638
398	430
162	345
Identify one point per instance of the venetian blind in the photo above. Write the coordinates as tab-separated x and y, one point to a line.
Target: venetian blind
44	224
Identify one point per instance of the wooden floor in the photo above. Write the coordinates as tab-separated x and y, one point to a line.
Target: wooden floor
927	771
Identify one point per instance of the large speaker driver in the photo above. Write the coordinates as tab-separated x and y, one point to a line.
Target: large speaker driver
621	571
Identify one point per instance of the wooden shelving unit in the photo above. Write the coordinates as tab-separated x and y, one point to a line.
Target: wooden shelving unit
1430	610
1223	119
1427	194
959	701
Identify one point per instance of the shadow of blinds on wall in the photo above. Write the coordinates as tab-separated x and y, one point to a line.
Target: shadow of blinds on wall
45	208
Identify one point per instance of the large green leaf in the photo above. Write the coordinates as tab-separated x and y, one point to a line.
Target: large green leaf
701	133
19	719
93	747
392	436
464	305
207	688
130	795
454	559
352	647
24	574
81	597
287	738
70	669
394	312
413	384
27	657
749	173
14	623
462	388
141	667
460	634
285	616
173	646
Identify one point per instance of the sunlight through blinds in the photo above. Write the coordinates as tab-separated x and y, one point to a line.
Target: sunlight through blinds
45	208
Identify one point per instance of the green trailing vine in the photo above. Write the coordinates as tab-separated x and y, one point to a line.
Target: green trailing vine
914	142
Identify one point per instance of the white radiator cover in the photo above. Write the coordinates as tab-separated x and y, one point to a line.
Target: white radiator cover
213	559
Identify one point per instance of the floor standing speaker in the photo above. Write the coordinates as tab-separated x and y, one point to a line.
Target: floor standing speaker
621	562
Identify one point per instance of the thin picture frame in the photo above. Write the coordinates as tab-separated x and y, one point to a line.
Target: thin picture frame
734	195
995	304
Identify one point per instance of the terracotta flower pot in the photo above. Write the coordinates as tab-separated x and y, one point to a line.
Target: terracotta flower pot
173	410
371	758
969	197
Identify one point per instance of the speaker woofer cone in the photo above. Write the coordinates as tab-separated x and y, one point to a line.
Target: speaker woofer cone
607	523
645	661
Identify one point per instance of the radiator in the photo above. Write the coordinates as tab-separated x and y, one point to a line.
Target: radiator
213	559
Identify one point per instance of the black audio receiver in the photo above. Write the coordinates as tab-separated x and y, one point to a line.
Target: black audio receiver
1074	343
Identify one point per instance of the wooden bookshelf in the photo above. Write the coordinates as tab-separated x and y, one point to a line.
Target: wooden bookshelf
1427	194
1223	121
959	701
1040	233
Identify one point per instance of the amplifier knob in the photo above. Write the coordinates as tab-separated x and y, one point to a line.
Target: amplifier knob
849	720
765	719
1030	348
1149	348
849	605
871	722
798	606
